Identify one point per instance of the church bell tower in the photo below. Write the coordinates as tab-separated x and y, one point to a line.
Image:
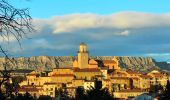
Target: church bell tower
83	56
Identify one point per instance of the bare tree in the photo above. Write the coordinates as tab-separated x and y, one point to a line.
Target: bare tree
15	23
5	75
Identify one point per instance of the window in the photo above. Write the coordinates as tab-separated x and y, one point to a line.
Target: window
51	93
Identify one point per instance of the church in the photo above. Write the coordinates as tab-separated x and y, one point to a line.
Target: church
89	68
83	61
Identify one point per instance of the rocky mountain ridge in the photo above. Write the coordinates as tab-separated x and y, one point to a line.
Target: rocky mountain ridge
50	62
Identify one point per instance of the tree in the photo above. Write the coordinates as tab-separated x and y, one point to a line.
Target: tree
26	96
14	24
5	74
168	89
99	94
45	98
94	93
156	88
17	79
80	94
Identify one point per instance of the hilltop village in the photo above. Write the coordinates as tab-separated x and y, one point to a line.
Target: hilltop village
85	72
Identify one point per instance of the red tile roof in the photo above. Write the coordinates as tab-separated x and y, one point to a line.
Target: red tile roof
133	90
31	74
63	68
135	78
62	75
98	75
78	79
106	79
30	86
157	75
132	72
145	76
119	74
51	83
87	70
119	77
28	89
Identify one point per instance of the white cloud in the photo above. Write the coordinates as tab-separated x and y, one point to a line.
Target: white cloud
125	33
123	20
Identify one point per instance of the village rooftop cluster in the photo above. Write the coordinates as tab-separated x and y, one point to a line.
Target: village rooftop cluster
86	73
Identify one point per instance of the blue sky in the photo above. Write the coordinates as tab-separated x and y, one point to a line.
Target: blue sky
46	8
109	27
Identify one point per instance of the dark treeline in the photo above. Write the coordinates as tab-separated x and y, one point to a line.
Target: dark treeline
94	93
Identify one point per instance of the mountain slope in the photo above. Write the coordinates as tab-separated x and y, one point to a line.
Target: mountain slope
50	62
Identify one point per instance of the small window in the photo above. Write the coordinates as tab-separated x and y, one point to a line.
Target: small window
51	93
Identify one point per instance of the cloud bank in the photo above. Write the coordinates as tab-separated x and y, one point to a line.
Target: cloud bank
122	34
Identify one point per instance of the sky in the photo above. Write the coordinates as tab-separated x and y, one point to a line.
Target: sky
108	27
